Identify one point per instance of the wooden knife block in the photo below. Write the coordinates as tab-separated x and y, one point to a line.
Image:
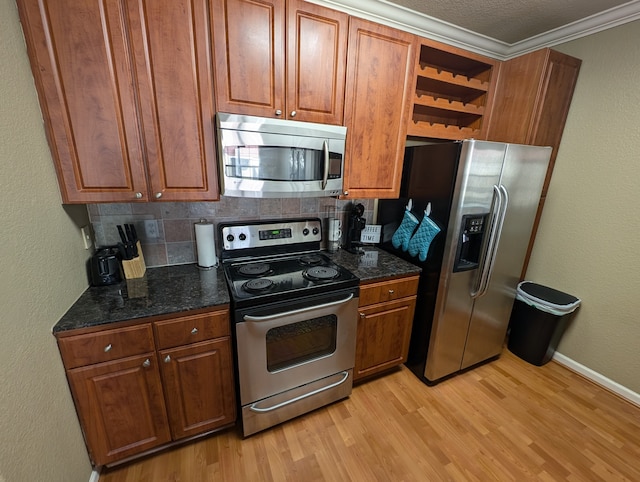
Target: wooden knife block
134	268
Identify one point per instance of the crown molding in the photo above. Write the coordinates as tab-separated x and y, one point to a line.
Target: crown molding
396	16
611	18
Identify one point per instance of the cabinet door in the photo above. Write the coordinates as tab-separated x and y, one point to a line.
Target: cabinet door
198	383
81	65
316	62
384	331
121	407
380	79
249	42
172	54
531	106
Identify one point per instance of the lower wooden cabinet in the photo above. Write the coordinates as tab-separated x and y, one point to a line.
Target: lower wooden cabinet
135	390
384	327
198	387
121	407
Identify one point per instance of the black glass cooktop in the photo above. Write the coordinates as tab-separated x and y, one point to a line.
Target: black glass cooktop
272	279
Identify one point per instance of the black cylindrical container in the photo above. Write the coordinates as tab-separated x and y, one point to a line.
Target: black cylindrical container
538	320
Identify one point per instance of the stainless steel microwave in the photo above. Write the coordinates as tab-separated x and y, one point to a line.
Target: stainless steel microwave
270	158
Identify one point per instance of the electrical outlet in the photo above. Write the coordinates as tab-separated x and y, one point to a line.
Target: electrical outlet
86	237
151	229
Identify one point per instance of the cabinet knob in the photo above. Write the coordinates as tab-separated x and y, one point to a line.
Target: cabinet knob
138	195
345	193
158	195
107	348
391	292
362	315
278	112
167	359
146	363
293	113
194	331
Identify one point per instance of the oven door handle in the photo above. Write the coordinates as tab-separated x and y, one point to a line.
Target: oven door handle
296	312
254	408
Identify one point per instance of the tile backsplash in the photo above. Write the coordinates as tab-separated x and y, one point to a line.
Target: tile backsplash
167	232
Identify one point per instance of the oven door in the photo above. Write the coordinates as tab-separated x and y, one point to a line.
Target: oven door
286	345
294	357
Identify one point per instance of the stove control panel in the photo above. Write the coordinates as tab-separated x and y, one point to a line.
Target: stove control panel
272	233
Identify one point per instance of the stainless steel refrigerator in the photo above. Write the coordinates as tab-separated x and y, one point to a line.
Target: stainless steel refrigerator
483	197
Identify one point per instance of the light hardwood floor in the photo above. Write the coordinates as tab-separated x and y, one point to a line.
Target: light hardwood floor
505	420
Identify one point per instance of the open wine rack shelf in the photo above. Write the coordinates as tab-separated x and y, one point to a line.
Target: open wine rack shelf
453	90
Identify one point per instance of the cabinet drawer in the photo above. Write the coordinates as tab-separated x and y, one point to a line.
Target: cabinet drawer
191	329
388	290
107	345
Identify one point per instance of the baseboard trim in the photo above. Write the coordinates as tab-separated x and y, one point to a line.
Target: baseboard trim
598	378
95	476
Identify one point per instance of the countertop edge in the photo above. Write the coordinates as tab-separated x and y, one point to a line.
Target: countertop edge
181	289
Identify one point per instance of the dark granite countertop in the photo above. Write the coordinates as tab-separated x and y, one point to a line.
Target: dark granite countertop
162	291
175	289
374	264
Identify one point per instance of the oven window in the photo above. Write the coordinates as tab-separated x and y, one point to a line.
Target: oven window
300	342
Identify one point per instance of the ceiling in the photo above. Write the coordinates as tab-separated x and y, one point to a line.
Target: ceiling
498	28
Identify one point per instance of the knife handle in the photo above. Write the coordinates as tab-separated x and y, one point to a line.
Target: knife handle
133	239
121	233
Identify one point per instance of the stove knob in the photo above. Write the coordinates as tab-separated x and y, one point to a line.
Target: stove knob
230	238
315	231
242	237
305	231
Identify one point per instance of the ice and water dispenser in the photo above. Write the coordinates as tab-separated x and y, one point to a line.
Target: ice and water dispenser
470	242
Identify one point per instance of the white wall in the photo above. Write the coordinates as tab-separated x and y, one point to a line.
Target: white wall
42	274
589	237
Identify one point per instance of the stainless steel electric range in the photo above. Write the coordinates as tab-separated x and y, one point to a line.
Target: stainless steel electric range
294	314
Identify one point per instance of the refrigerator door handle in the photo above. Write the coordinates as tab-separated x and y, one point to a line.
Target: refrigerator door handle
497	220
502	216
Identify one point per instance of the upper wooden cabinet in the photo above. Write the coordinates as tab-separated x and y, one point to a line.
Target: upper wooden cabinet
280	59
533	96
380	79
126	91
453	92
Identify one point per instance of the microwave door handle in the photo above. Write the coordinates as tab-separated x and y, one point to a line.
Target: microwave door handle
325	176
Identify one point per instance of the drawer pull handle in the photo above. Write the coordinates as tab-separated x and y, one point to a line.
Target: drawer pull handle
146	363
107	348
194	331
167	359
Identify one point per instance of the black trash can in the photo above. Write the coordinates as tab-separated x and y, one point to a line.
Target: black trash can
539	317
